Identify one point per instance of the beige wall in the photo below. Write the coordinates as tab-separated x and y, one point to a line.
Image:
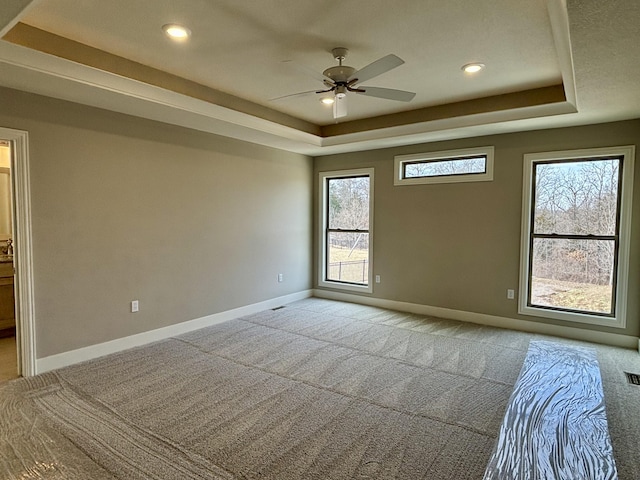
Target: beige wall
192	224
457	246
5	157
189	224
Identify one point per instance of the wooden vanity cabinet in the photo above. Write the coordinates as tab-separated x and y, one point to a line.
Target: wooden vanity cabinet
7	299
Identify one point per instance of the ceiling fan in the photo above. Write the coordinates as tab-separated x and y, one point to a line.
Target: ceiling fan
342	79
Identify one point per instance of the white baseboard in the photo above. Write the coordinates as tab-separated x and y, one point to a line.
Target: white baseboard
614	339
64	359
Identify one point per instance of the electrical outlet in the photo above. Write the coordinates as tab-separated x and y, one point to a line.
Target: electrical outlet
280	277
511	294
377	278
135	306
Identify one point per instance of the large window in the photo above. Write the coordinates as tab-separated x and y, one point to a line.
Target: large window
575	235
346	214
451	166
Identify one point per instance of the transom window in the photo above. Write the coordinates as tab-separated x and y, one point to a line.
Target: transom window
452	166
576	235
346	214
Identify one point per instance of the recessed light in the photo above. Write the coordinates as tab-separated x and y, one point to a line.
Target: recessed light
472	67
327	100
176	32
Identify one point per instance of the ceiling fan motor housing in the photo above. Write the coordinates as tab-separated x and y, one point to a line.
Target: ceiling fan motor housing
339	74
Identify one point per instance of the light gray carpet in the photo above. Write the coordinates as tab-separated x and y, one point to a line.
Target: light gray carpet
315	390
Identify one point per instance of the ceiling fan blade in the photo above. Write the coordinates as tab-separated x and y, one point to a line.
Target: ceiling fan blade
308	71
340	107
376	68
388	93
299	94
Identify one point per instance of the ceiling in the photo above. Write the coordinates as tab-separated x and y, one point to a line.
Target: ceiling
549	63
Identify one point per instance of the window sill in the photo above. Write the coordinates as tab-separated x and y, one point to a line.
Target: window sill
582	318
346	287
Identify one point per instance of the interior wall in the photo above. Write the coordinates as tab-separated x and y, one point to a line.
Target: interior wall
188	223
457	245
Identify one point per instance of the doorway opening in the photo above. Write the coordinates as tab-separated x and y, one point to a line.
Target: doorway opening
16	270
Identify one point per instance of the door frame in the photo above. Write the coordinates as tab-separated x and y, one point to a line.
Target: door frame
23	250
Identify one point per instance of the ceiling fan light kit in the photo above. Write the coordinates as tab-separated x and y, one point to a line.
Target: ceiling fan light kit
342	79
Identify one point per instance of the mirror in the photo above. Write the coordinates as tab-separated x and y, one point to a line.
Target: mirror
6	230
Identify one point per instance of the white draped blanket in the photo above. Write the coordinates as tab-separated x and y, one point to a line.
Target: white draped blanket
555	426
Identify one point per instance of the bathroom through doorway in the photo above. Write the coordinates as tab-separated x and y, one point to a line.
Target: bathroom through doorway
8	343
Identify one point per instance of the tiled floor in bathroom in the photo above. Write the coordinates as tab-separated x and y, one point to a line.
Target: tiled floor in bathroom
8	359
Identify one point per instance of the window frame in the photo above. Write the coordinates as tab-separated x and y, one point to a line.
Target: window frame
400	161
323	199
620	287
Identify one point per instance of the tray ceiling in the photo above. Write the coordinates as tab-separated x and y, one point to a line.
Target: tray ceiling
544	62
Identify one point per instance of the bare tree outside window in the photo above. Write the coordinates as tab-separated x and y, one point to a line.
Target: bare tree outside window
574	236
347	242
450	166
438	168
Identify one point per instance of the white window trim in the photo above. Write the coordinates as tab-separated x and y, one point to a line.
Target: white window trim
400	160
322	256
619	318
